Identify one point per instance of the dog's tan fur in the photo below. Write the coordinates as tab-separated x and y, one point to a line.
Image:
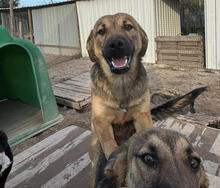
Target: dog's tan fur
108	99
117	99
172	153
121	102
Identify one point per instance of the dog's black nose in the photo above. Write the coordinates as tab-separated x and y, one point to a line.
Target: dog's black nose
117	47
117	43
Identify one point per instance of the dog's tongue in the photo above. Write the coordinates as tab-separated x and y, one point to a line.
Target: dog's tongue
120	62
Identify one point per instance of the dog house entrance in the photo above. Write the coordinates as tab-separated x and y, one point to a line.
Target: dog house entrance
18	118
20	110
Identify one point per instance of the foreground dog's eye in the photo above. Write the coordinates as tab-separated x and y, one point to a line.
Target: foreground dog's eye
148	159
127	27
101	31
195	163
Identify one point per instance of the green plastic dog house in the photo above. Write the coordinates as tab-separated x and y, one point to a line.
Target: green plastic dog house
27	103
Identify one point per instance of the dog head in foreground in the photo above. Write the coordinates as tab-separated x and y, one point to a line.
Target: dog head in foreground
6	158
155	158
117	42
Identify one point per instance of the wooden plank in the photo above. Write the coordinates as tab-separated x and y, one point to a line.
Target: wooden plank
68	95
61	179
168	43
85	102
78	83
20	29
169	57
75	88
180	51
185	48
74	94
84	75
83	79
192	64
181	63
68	103
12	22
168	62
30	25
188	43
168	47
178	38
40	147
73	104
42	166
191	58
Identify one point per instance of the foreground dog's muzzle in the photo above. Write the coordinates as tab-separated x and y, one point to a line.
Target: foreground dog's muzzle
118	53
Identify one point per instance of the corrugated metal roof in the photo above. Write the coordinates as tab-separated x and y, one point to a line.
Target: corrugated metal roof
42	6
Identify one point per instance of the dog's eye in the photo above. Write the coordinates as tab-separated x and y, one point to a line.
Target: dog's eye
127	27
101	31
149	159
194	163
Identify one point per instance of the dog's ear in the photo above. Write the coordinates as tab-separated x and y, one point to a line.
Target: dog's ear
90	47
144	40
203	180
116	167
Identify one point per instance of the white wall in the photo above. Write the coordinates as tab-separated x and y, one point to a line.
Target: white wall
141	10
212	32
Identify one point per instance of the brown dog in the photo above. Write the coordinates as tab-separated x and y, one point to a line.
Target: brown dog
155	158
119	84
120	93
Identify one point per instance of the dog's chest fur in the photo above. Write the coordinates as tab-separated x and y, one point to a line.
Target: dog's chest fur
122	89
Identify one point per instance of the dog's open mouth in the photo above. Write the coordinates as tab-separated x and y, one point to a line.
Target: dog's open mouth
120	62
119	65
118	52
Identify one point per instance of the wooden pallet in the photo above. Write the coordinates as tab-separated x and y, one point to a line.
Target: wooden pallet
75	92
180	51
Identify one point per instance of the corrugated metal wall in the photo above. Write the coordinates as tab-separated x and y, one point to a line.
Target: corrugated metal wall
141	10
18	17
212	33
167	14
56	30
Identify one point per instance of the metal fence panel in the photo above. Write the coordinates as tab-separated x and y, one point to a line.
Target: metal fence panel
56	29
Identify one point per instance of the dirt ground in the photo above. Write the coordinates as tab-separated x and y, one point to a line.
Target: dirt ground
164	82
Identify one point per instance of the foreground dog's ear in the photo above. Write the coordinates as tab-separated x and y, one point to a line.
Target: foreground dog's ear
204	181
116	167
144	40
90	47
